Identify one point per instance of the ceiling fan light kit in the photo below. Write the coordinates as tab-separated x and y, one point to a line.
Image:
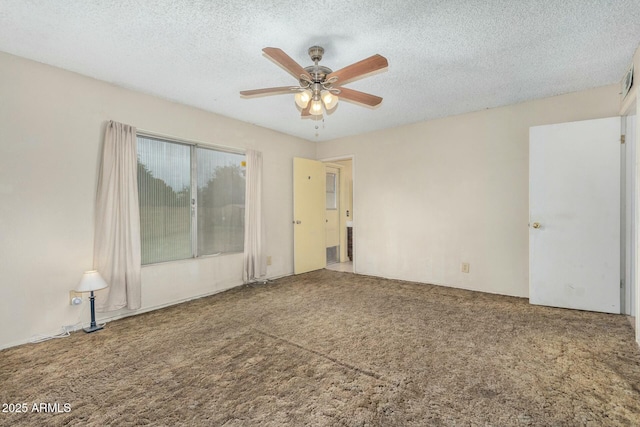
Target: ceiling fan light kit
319	86
330	101
302	98
316	108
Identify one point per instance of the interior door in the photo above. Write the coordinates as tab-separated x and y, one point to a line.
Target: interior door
574	214
308	215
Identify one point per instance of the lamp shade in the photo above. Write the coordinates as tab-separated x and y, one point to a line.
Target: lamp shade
91	281
316	108
330	100
303	98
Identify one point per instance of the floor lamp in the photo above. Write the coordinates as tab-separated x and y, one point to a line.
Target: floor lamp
92	281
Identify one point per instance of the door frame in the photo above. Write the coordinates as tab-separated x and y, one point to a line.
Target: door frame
630	107
629	232
353	194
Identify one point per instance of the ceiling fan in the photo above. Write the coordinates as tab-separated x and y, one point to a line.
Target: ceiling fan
319	87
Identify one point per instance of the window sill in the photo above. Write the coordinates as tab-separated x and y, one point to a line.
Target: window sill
203	257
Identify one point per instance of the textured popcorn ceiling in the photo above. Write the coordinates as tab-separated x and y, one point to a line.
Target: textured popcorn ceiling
445	57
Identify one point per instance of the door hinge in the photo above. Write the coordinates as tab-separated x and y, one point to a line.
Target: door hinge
622	139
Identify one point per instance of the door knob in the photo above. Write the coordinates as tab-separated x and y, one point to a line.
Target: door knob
298	222
536	225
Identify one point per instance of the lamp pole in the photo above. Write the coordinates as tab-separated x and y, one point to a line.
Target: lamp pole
93	327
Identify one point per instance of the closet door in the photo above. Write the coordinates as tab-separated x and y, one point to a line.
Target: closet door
574	214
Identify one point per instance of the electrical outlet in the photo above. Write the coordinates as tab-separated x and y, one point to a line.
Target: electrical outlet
269	260
75	298
464	267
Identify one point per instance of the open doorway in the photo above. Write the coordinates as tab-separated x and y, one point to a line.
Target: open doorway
339	214
332	213
310	219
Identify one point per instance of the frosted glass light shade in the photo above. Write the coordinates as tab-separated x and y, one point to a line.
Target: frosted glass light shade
91	281
303	98
316	108
330	100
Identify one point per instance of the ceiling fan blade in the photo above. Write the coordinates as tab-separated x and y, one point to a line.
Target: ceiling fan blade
305	111
359	97
286	62
359	69
268	91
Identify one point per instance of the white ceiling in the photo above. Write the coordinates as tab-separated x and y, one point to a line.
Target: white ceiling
445	57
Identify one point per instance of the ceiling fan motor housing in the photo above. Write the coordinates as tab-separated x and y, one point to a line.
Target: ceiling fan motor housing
318	72
316	52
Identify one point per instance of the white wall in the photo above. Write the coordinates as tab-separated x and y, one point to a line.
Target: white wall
434	194
51	129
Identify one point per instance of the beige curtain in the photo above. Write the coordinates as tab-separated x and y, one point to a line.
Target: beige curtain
116	253
255	262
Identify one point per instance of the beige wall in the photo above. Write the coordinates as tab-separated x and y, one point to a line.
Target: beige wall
428	196
434	194
346	186
51	128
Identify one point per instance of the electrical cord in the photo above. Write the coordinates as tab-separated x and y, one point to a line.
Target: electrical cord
65	331
42	338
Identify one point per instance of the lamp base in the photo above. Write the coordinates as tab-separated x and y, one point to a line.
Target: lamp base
92	328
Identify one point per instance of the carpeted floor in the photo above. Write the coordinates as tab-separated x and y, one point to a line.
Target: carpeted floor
330	348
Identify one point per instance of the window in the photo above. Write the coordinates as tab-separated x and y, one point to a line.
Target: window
332	193
191	200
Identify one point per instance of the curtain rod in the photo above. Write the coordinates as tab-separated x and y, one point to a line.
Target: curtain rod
228	149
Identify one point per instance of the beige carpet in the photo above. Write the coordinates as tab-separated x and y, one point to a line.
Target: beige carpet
330	348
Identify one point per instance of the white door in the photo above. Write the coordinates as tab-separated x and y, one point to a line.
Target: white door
308	215
574	214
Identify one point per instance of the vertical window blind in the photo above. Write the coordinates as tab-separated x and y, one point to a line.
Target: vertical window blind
191	200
